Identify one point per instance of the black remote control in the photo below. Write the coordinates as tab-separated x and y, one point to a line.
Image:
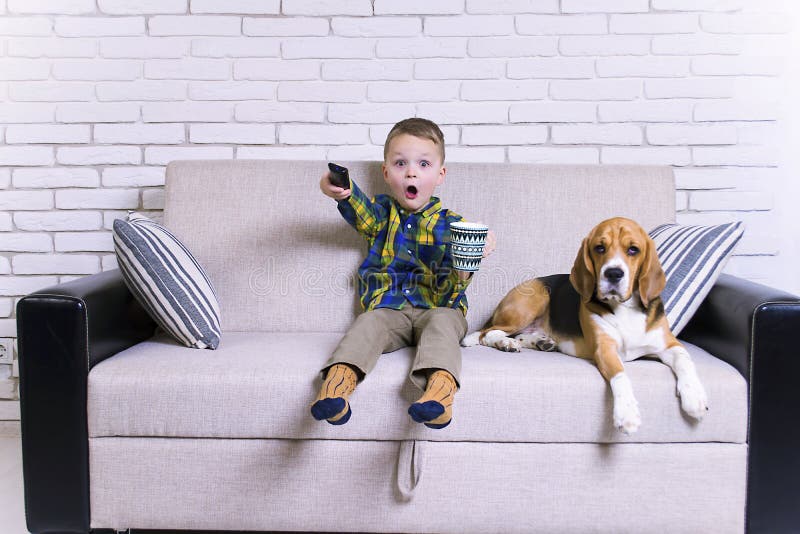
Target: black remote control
339	176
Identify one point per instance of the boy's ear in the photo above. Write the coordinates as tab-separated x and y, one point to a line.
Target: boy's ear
442	173
385	175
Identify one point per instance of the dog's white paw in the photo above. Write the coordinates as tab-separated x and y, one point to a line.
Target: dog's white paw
536	341
470	340
694	400
499	340
626	415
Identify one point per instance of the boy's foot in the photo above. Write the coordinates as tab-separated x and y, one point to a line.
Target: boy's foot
435	407
331	403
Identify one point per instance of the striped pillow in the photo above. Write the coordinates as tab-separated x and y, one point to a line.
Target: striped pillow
168	282
692	258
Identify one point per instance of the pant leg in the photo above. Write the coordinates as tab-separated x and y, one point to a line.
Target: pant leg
437	332
371	334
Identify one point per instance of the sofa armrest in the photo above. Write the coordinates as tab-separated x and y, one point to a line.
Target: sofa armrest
754	328
62	332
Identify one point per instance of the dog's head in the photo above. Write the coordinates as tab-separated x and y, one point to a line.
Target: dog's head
616	259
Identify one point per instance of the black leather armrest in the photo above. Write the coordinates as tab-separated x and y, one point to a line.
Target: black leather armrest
62	332
755	328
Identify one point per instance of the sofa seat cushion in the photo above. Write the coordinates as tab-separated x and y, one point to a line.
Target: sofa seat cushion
260	385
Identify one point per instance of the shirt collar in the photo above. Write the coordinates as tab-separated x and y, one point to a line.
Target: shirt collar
433	206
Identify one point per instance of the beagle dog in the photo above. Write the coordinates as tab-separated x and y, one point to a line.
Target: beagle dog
607	310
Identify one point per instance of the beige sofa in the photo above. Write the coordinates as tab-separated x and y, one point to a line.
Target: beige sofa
178	438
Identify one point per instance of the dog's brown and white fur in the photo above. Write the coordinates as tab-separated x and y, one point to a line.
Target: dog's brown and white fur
607	310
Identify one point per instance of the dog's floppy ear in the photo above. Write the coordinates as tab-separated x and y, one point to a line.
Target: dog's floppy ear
651	276
582	275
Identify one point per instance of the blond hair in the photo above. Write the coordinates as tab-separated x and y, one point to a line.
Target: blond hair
422	128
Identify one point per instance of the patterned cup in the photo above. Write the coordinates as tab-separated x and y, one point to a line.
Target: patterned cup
467	241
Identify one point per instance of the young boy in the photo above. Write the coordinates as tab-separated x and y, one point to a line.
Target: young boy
410	293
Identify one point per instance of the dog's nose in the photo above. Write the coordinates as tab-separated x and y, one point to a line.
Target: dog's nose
614	274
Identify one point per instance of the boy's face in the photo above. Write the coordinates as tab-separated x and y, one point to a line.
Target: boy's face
413	168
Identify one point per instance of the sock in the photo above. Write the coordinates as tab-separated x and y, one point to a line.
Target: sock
331	403
435	407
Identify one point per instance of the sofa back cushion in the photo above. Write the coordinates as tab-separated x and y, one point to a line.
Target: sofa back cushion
282	259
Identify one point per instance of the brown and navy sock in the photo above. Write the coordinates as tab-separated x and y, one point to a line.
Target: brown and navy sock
331	403
435	407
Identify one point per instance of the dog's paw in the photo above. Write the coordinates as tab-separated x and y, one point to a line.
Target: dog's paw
626	415
694	400
499	340
536	340
471	340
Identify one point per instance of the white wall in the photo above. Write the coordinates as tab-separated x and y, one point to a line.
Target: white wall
98	95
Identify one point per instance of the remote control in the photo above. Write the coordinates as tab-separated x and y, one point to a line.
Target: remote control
339	176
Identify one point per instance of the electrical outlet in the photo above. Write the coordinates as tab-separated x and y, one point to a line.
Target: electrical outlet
6	350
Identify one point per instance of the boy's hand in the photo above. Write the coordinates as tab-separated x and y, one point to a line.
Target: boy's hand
330	190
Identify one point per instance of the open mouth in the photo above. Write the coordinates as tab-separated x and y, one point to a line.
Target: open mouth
411	192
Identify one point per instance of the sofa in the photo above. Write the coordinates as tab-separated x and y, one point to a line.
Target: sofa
124	428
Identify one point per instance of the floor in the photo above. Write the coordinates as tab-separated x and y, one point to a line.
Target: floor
12	507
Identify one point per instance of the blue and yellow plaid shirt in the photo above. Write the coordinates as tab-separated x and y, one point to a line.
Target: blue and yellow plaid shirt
409	254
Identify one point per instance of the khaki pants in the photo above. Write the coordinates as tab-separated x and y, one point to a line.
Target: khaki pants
436	332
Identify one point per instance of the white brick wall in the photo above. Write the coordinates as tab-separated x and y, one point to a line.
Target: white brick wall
96	96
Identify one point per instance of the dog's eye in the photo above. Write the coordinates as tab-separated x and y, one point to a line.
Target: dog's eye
633	251
600	249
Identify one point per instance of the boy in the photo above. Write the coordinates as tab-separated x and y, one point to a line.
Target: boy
409	291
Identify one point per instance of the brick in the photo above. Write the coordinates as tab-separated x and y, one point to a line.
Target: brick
548	68
220	47
595	89
24	69
61	263
142	7
698	5
187	112
751	22
163	155
55	177
604	45
203	25
369	113
376	26
26	156
462	69
422	47
736	110
23	285
731	201
286	27
418	7
504	135
679	156
321	92
283	152
756	89
647	67
81	199
760	133
139	134
328	48
97	69
654	23
553	112
84	242
355	153
681	201
244	134
472	25
6	304
690	45
327	7
691	134
737	66
293	134
51	7
233	90
512	7
109	262
51	133
655	111
37	47
476	154
134	176
249	7
280	112
413	91
57	221
187	69
689	88
276	69
99	26
483	90
732	178
554	155
94	112
26	113
25	26
26	200
146	90
512	46
367	70
739	156
464	112
5	268
597	134
99	155
593	6
5	178
25	242
51	92
153	199
144	47
561	25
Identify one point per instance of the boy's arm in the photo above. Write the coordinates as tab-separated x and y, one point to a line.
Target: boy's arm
363	213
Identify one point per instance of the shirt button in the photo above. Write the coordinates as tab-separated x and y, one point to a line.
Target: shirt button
408	226
410	253
408	291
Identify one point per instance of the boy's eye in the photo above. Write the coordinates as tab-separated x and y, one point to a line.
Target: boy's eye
424	164
399	163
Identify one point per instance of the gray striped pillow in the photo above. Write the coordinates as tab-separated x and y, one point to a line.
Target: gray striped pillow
692	258
168	282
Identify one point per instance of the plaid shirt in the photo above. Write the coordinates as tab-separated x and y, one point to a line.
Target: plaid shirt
409	253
